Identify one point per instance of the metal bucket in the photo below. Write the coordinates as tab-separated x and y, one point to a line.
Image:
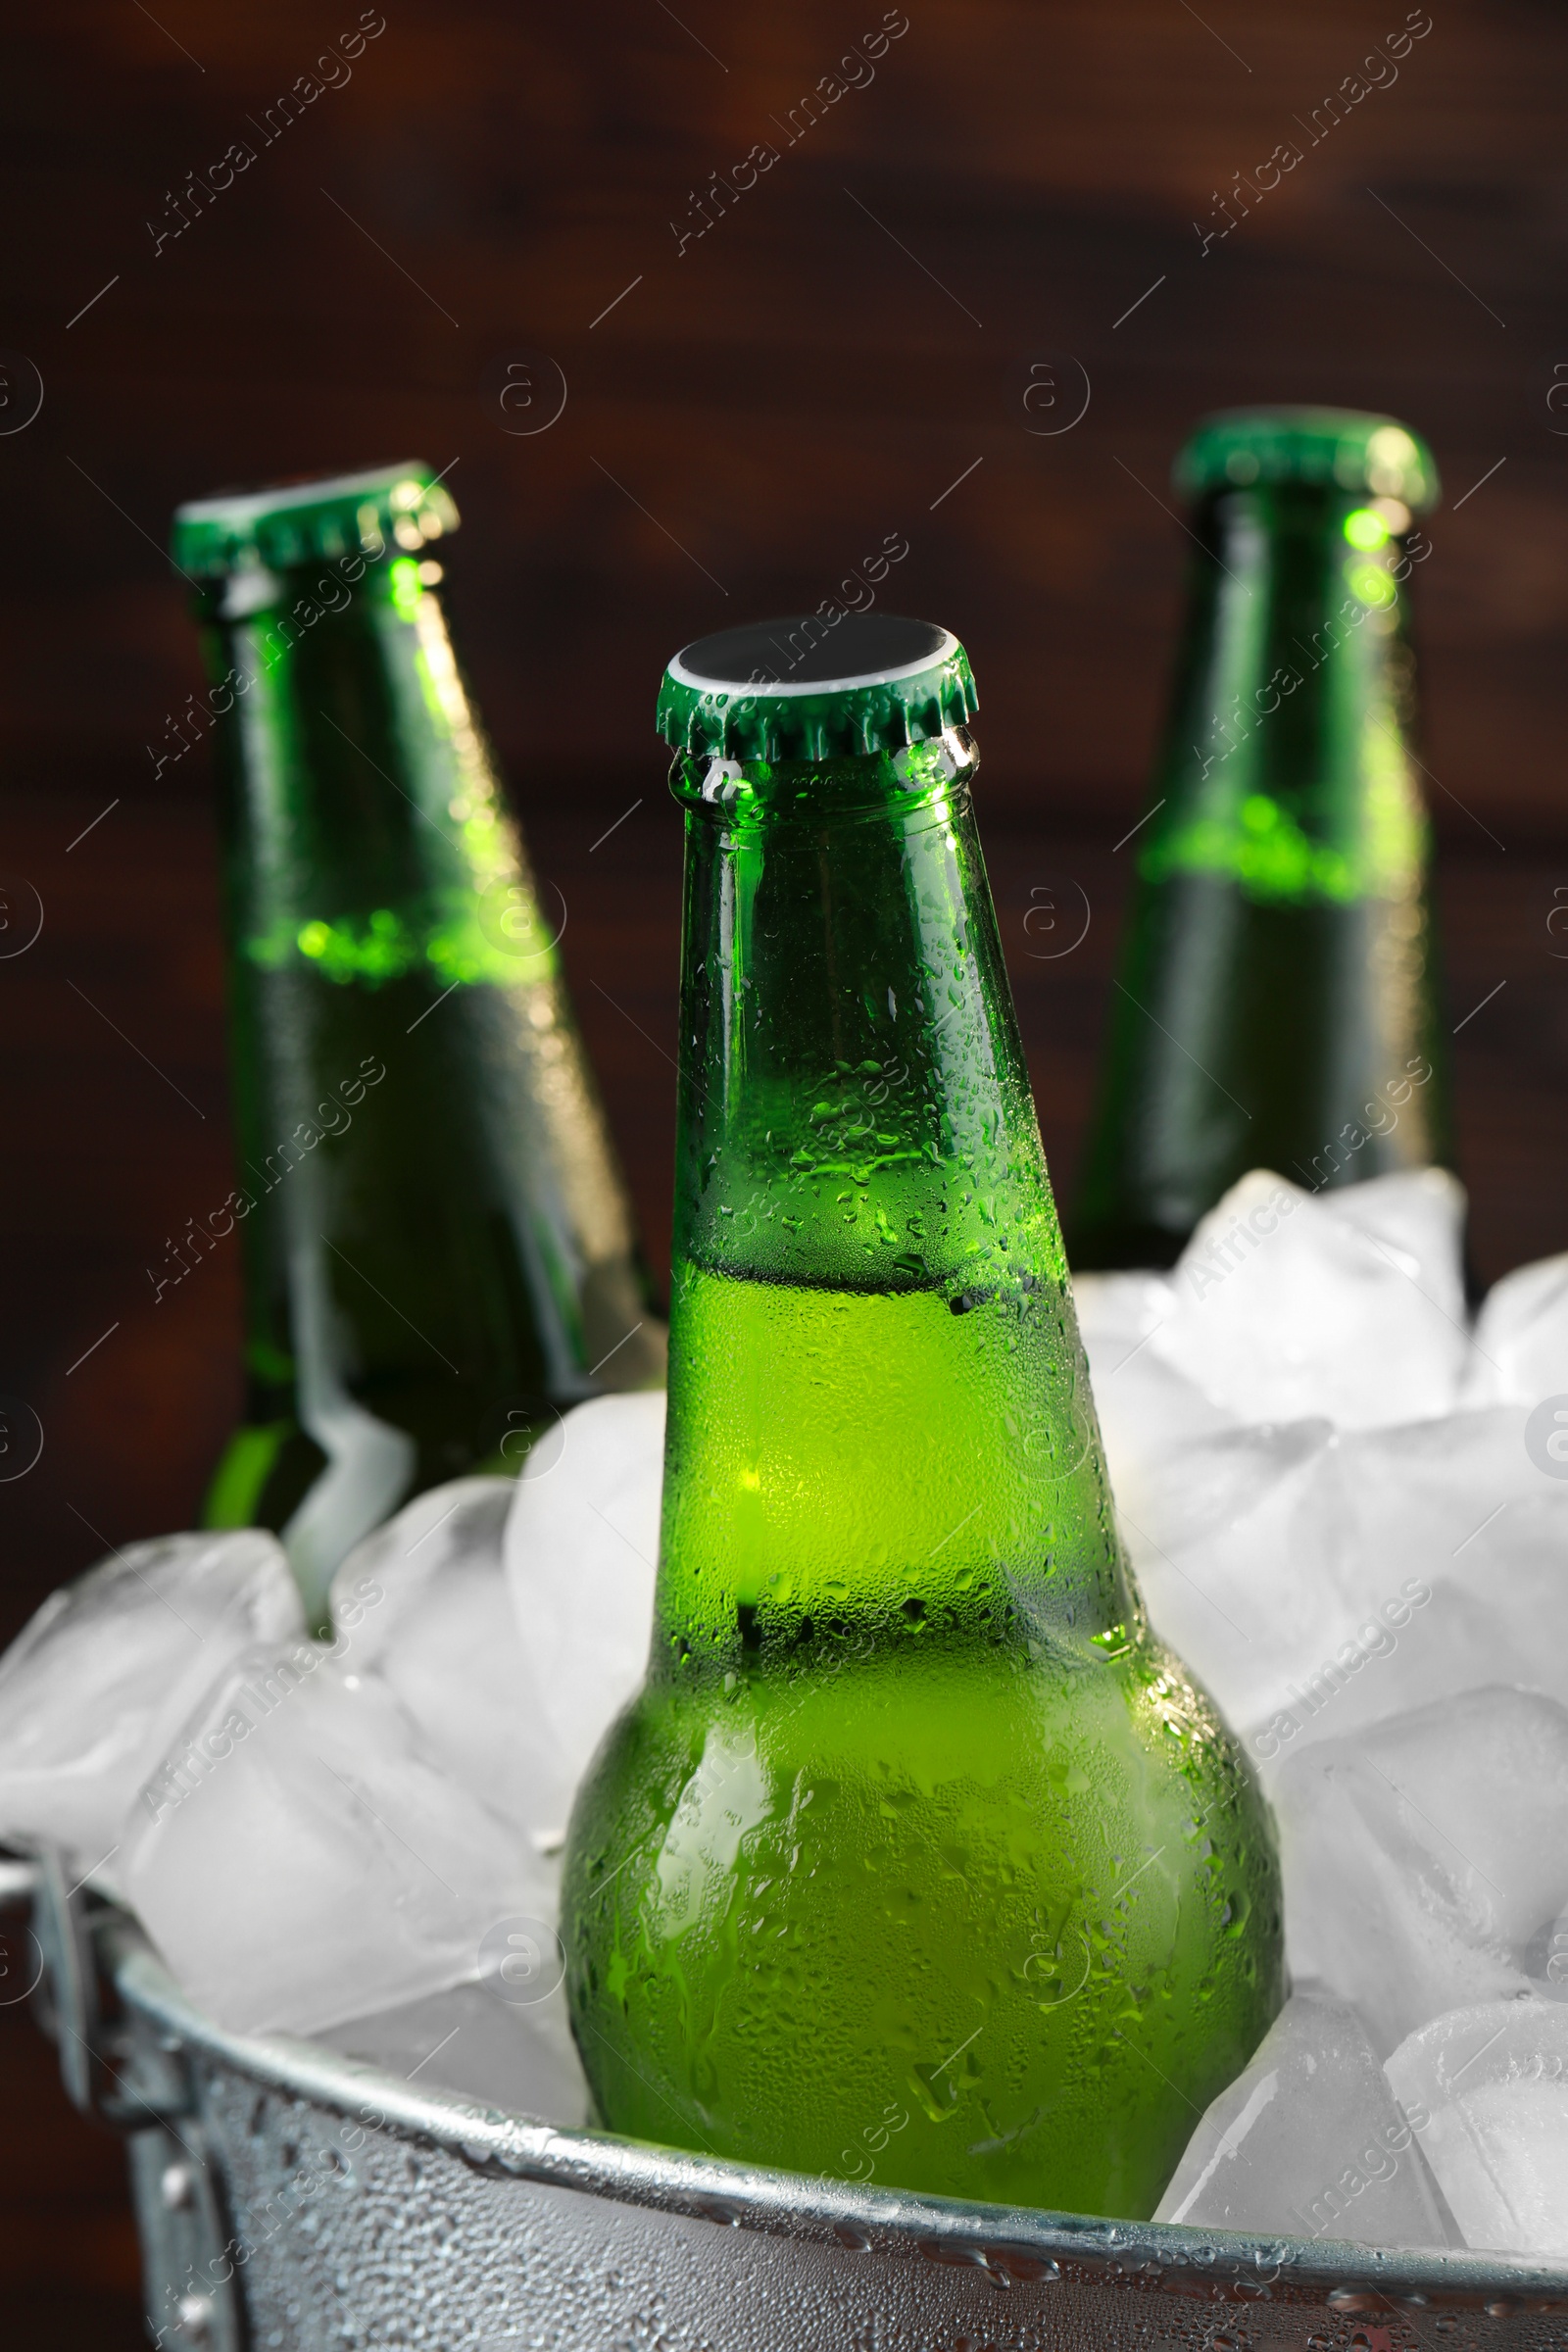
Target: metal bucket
295	2199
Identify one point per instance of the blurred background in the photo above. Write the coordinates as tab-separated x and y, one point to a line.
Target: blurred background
968	306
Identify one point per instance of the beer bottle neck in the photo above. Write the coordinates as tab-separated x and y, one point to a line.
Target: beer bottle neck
1287	769
853	1105
362	804
879	1416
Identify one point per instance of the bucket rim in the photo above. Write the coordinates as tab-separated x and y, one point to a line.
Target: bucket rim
1012	2242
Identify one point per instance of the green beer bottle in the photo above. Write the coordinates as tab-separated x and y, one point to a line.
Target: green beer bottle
917	1857
438	1248
1277	1000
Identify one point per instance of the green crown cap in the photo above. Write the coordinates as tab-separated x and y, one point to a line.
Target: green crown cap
311	522
815	688
1343	449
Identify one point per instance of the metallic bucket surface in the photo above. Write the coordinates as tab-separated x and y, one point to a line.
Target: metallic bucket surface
297	2201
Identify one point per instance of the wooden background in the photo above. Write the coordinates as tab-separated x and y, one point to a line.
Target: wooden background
841	356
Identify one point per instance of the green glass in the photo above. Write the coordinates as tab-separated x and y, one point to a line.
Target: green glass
917	1858
437	1243
1277	1004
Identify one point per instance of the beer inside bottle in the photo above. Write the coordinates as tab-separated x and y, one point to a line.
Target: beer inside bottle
1277	1002
438	1248
917	1859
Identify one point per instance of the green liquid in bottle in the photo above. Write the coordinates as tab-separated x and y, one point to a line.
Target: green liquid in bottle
941	1897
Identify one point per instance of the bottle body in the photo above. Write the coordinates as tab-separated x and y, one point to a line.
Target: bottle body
916	1858
438	1248
1277	1002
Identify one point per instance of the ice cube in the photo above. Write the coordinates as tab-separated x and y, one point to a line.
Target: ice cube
1117	1312
1318	1582
467	2040
1238	1572
1348	1304
1321	1570
106	1671
299	1858
581	1548
1148	1409
1452	1517
1423	1857
1418	1211
1309	2143
1519	1351
423	1604
1495	2079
